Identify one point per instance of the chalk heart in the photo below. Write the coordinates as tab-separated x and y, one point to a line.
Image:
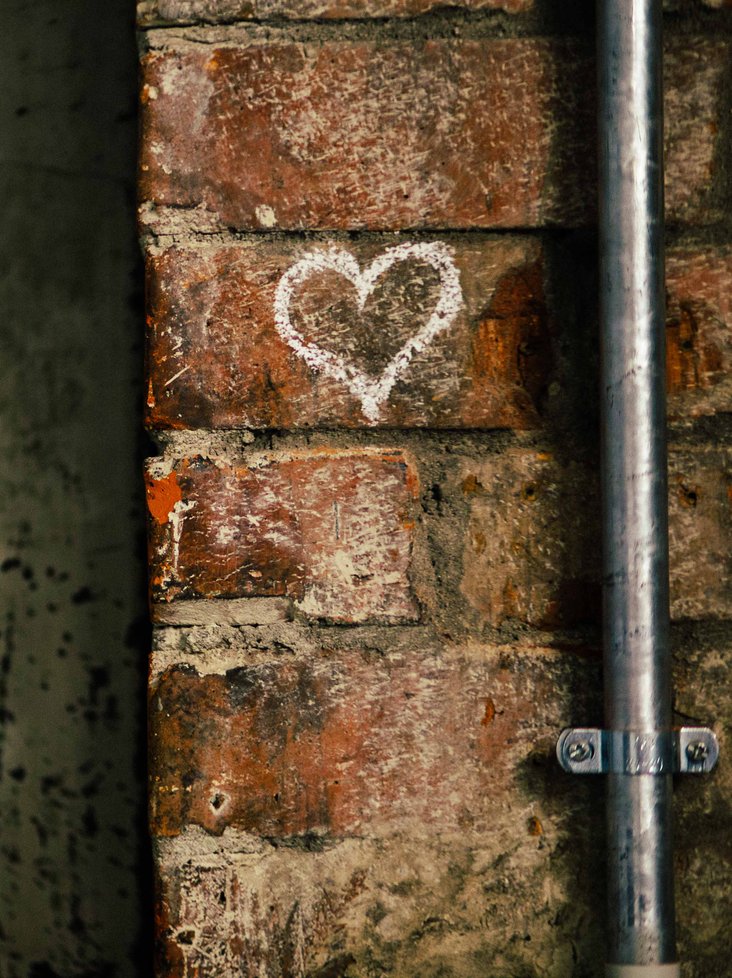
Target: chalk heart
372	393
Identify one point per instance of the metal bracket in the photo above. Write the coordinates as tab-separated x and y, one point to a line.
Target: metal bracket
686	750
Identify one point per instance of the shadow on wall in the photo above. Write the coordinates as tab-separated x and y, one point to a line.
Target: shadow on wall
73	857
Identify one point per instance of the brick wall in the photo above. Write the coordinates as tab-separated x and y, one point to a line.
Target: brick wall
374	562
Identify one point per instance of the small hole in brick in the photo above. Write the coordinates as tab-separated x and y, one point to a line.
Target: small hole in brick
276	796
218	800
529	492
687	345
688	497
185	937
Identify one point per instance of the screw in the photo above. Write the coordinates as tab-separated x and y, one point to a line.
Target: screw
580	750
697	751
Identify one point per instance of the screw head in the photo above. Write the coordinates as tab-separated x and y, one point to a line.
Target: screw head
579	751
697	751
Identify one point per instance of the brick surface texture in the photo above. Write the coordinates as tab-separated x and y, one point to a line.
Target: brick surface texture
374	519
333	531
216	358
480	134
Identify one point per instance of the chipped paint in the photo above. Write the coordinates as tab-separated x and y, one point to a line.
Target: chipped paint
163	495
175	519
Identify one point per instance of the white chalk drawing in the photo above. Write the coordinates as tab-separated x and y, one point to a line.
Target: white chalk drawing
371	392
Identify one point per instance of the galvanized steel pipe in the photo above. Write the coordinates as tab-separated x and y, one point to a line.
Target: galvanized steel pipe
641	931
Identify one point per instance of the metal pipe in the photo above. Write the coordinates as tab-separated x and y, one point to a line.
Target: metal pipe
641	931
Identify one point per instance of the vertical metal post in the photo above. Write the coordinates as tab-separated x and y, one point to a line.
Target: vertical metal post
641	931
637	750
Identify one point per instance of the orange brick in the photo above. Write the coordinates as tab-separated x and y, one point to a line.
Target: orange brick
347	742
435	134
330	530
216	358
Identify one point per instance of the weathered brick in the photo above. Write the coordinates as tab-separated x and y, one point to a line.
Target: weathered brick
533	538
331	530
699	330
427	901
700	533
150	12
416	908
412	907
390	897
347	742
216	358
435	134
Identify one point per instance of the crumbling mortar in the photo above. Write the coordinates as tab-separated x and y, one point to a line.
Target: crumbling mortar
681	17
437	24
156	243
241	444
238	445
214	648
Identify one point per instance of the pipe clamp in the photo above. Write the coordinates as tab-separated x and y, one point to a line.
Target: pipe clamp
685	750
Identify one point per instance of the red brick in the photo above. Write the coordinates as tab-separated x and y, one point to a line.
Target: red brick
532	549
345	742
216	358
699	330
425	900
392	135
330	530
150	12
